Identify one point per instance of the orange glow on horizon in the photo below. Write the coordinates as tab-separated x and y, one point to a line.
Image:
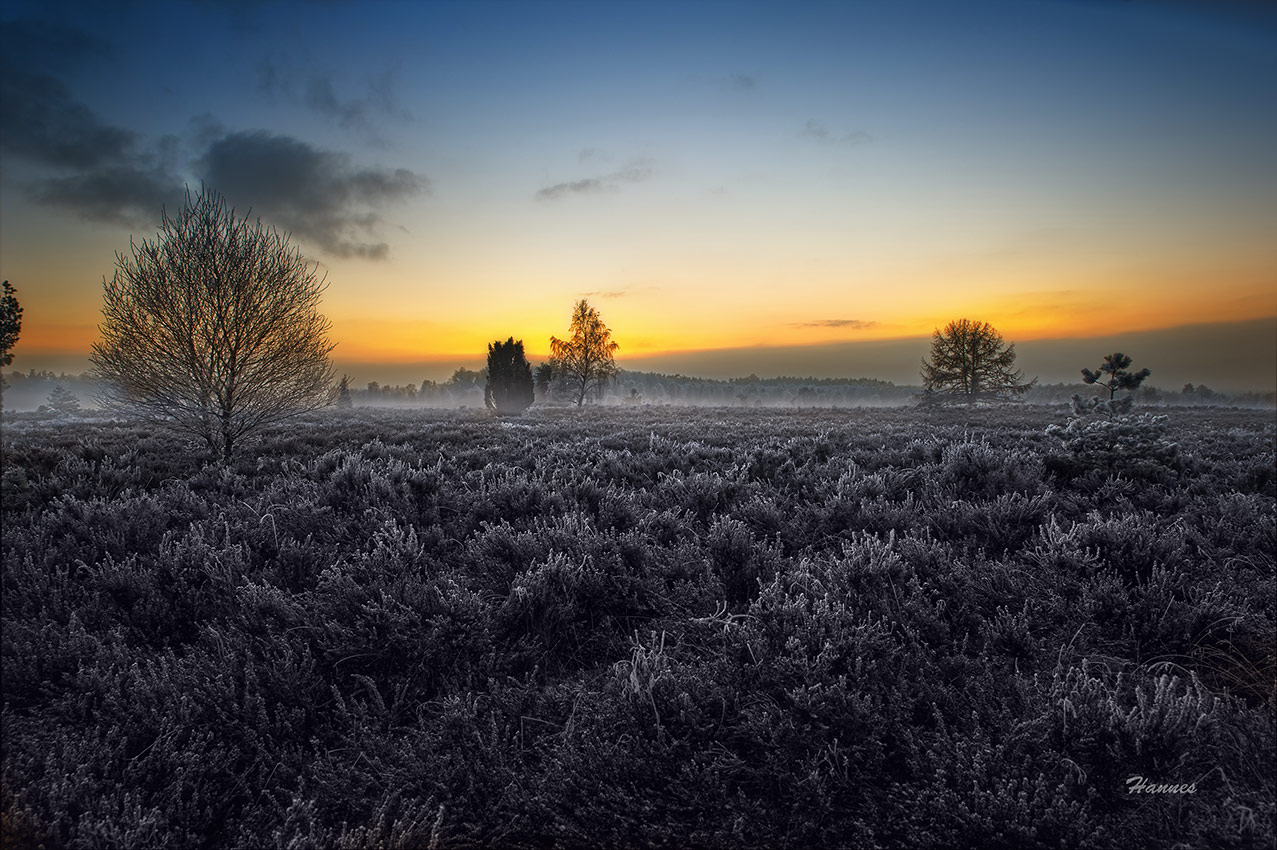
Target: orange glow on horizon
456	324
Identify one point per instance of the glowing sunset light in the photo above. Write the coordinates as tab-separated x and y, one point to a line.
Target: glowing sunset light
712	177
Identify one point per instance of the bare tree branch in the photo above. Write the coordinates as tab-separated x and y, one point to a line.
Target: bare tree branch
214	326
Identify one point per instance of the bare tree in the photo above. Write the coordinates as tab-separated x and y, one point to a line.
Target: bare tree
214	326
584	363
970	362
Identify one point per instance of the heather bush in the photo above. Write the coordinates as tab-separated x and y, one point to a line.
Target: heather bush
1136	446
642	626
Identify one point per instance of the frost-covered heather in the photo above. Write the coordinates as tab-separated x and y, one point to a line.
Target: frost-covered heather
644	627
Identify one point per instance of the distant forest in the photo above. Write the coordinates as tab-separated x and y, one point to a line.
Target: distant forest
27	392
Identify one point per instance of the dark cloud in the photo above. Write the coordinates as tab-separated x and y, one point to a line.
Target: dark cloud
316	194
96	170
636	171
318	91
742	82
103	172
113	175
43	123
116	194
817	131
852	324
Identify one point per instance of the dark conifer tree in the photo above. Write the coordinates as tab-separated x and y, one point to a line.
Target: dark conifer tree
509	387
10	327
1116	367
544	375
10	323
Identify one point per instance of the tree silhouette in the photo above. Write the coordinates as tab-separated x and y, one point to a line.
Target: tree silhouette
1116	367
61	401
509	387
970	362
585	362
10	326
214	327
344	400
543	375
10	323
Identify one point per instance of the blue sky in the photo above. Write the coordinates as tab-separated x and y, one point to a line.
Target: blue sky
711	175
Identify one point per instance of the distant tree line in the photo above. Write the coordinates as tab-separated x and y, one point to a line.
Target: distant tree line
30	389
753	391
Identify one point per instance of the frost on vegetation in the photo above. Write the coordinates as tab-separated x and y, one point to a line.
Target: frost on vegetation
1102	406
1118	443
624	627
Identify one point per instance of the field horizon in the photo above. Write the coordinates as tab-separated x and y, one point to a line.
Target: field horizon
1231	357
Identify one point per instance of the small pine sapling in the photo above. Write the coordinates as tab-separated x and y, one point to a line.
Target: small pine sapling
1116	366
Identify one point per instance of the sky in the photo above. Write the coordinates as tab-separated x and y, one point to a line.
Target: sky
813	185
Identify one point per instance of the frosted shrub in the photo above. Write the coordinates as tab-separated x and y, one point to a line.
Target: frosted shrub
1129	444
1102	406
566	609
975	469
740	561
1112	726
637	626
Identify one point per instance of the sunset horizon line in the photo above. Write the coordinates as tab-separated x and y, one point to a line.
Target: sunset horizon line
1245	354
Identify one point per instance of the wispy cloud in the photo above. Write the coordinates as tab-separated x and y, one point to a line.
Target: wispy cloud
822	134
742	82
318	195
586	186
850	324
635	171
618	293
361	113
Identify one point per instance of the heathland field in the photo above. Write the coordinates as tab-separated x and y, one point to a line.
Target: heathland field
644	627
